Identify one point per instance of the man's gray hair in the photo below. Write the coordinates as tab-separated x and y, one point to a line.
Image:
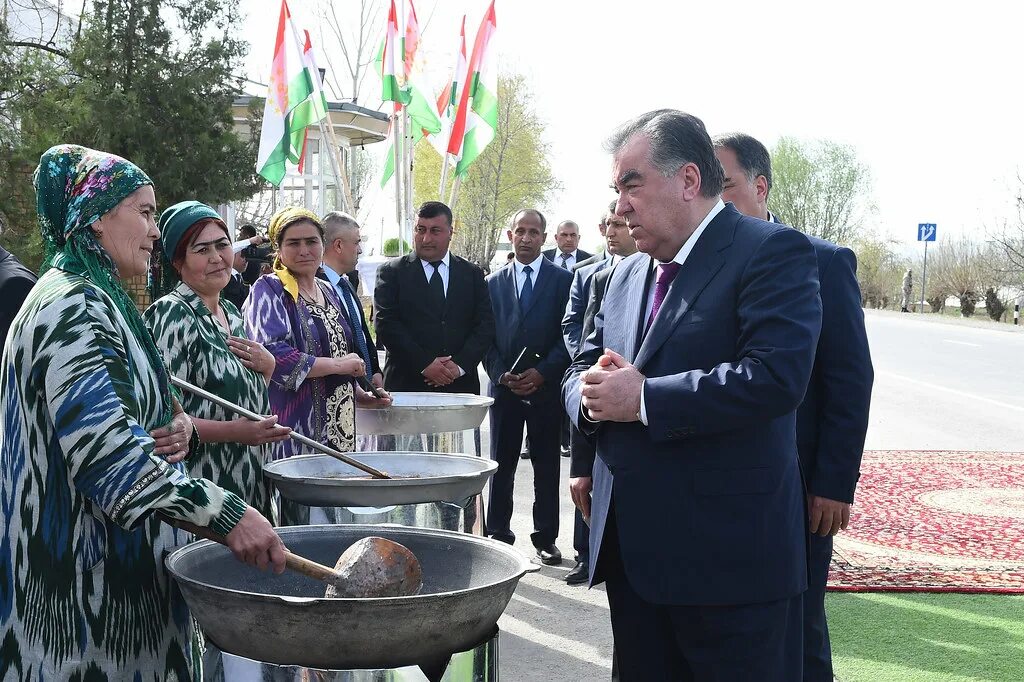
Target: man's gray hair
337	222
676	139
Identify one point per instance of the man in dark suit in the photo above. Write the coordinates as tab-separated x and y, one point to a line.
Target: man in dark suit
343	244
691	385
567	253
832	421
15	282
255	251
579	311
237	290
433	312
600	255
529	299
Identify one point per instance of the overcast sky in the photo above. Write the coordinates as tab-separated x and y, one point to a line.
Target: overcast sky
926	92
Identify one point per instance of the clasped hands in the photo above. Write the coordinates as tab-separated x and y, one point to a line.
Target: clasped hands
523	384
611	389
441	372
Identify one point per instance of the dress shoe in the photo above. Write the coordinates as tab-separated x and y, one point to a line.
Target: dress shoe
578	575
549	555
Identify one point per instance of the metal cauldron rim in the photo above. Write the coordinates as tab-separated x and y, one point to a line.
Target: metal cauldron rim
471	400
487	468
525	565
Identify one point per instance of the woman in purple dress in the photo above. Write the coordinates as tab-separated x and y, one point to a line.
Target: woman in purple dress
299	319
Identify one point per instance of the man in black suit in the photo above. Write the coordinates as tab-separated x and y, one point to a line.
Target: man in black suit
529	299
343	244
15	282
237	290
433	312
255	251
567	254
600	255
700	356
832	420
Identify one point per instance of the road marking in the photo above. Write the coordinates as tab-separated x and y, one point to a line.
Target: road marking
963	343
956	392
563	645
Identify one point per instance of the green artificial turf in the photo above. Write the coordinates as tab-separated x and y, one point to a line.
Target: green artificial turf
918	637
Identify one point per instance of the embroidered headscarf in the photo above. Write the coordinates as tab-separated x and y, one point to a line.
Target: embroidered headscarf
175	221
75	187
281	221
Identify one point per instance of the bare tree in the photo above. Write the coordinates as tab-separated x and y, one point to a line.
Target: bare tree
960	268
349	44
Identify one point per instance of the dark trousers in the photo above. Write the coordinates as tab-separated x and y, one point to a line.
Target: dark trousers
581	538
738	643
542	417
582	450
817	650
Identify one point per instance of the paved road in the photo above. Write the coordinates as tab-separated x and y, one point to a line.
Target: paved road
937	386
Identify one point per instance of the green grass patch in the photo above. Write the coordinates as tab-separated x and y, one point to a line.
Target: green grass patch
918	637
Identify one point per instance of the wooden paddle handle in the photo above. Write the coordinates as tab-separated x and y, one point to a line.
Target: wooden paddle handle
293	561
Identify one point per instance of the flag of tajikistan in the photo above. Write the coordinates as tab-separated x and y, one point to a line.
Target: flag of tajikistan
294	101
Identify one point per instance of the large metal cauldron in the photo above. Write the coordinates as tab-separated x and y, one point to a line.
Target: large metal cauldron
321	480
467	583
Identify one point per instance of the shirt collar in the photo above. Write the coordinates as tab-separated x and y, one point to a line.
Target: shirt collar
332	276
444	260
688	245
535	265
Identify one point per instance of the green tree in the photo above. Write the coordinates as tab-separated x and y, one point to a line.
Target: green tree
150	80
960	267
820	188
514	172
880	271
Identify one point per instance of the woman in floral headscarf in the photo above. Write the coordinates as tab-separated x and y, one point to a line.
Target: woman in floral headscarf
87	419
299	318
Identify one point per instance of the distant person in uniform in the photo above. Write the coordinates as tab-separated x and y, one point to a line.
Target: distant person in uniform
908	291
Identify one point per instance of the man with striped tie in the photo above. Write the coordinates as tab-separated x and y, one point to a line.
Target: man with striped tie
567	254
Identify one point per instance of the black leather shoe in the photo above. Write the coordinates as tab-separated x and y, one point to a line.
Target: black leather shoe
549	556
578	575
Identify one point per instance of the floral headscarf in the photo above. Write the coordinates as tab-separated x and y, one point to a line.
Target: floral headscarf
75	187
282	220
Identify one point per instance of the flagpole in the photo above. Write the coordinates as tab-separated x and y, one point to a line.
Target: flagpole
341	173
455	192
397	177
444	177
408	149
332	153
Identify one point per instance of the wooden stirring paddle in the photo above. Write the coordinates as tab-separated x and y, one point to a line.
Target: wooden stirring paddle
371	567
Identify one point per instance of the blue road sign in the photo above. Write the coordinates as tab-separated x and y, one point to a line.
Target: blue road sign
926	232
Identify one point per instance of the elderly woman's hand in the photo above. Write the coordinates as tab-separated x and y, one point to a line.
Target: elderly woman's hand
172	440
254	541
253	355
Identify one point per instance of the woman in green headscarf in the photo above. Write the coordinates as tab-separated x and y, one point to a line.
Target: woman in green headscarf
202	340
87	419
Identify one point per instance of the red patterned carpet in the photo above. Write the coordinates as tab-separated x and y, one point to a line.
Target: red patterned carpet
934	522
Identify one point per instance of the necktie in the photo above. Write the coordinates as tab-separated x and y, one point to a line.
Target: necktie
666	273
565	260
356	322
527	293
436	283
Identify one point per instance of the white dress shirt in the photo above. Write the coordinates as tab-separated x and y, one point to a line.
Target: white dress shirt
681	256
428	270
521	277
569	262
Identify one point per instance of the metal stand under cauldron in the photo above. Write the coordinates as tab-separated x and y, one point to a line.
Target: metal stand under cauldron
420	423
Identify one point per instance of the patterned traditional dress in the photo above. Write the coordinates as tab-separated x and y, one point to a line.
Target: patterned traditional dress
84	594
297	333
194	346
